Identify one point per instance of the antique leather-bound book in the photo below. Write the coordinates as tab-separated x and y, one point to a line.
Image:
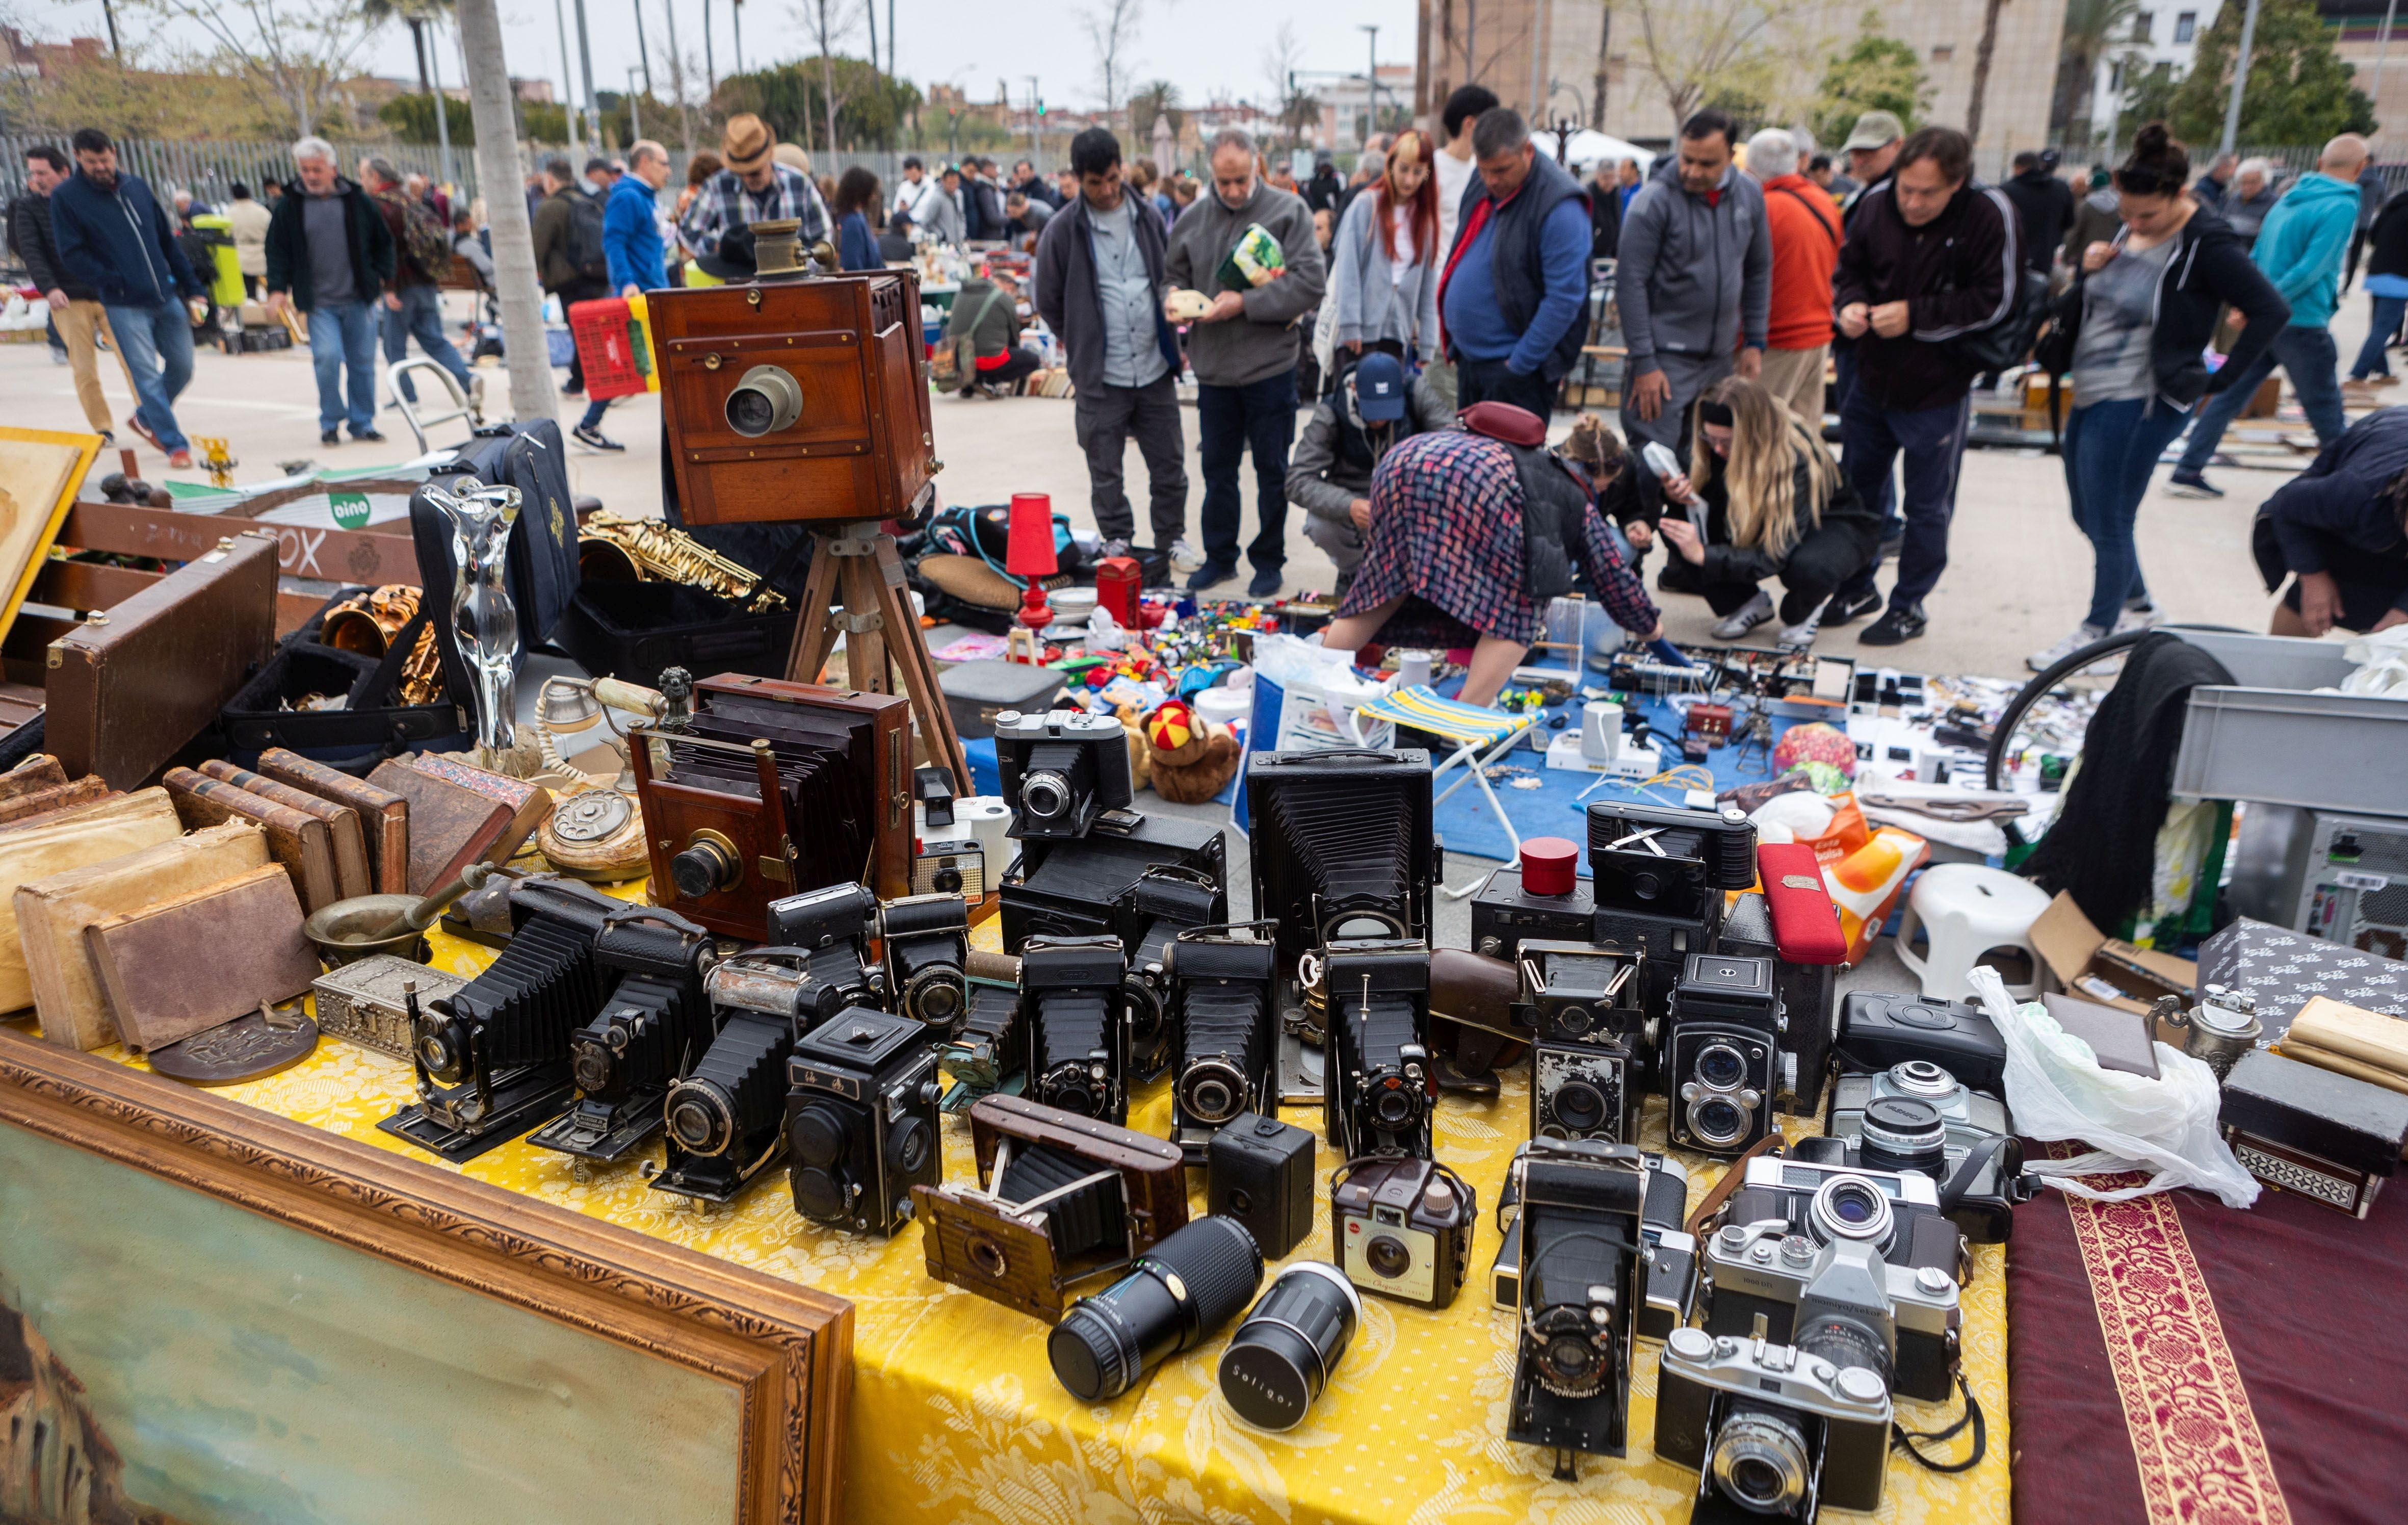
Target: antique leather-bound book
184	965
384	815
42	804
72	838
450	827
299	840
349	839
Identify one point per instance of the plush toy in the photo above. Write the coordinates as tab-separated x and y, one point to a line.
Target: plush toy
1191	758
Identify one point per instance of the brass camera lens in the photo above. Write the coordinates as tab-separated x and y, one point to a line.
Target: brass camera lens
589	1065
709	865
765	401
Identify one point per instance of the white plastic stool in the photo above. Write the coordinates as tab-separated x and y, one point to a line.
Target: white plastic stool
1965	911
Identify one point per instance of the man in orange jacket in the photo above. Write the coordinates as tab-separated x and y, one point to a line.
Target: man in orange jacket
1805	224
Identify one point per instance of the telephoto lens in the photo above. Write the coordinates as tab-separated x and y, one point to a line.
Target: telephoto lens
1174	1296
1281	1356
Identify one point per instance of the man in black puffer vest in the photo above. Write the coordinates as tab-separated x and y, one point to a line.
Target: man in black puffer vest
1515	292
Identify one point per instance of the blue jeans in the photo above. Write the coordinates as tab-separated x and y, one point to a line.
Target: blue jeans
593	411
157	345
420	316
2380	330
343	341
2308	356
1932	440
1229	421
2110	449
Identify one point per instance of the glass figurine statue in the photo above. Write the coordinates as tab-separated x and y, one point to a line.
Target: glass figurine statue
484	620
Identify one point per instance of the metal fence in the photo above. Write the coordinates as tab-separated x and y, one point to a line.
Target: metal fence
209	167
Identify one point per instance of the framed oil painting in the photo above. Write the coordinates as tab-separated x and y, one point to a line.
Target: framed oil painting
211	1315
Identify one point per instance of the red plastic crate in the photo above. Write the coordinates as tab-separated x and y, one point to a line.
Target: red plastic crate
615	345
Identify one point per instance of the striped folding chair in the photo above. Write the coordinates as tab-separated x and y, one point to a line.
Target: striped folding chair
1479	736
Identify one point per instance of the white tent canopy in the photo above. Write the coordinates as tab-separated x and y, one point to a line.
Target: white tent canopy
1589	146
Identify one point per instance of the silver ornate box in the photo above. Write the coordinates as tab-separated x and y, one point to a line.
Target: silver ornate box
362	1000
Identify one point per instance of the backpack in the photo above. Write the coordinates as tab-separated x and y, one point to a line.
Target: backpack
423	240
583	245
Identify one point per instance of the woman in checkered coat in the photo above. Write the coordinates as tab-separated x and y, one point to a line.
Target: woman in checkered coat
1445	563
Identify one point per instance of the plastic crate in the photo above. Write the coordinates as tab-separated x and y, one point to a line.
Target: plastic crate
2270	738
615	342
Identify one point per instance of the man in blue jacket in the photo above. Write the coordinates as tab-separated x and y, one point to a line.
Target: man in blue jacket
2301	248
113	236
631	243
1513	295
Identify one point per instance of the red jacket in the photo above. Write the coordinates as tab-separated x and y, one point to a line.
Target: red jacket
1805	223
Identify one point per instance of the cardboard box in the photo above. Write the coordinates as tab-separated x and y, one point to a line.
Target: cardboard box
2087	962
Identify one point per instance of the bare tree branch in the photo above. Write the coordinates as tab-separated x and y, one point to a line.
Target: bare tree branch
1693	45
295	57
1112	28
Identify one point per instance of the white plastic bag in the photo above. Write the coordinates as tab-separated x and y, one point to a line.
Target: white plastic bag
2381	660
2166	1127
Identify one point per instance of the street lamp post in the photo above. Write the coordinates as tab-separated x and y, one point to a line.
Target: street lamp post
2240	79
1372	82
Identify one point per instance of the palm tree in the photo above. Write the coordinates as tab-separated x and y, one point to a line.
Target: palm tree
2091	28
1159	98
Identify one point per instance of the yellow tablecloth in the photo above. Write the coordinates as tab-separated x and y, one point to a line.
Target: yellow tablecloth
956	1416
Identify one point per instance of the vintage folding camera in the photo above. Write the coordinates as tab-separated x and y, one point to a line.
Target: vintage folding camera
1061	769
1381	1089
1075	1006
1915	1117
651	1029
1657	873
727	1115
1720	1055
1080	887
491	1059
927	946
1341	845
820	918
793	399
1504	914
1668	1264
804	986
989	1045
1403	1228
1166	901
1774	1433
770	788
1222	986
1061	1202
861	1120
1581	1283
1877	1032
1792	1220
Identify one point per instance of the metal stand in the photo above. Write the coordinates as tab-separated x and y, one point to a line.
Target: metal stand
857	587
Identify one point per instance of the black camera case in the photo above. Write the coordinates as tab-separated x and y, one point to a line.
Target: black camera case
1259	1171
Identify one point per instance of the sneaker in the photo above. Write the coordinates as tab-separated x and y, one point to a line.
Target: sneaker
569	391
1266	582
1799	637
592	437
2186	483
477	391
107	440
143	430
1183	557
368	437
1902	624
1211	574
60	357
2142	615
1746	617
1845	608
2084	635
331	437
180	459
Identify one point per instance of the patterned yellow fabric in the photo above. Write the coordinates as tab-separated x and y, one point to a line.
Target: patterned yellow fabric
956	1416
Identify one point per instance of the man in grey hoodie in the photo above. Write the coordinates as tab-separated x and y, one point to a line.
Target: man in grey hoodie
1244	348
1694	281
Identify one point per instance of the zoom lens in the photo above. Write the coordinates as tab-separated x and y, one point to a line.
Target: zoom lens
1721	1067
1760	1463
1281	1356
1174	1296
1852	1207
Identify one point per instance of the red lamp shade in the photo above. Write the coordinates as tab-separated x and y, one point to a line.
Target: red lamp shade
1029	553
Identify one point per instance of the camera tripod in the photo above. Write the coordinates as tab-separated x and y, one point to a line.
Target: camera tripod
857	587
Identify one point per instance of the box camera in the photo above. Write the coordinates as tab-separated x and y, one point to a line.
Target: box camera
1079	889
821	918
1222	990
1503	913
1720	1054
657	1023
1877	1032
1259	1171
773	788
1582	1091
1074	1005
491	1059
1580	1288
1341	845
1773	1432
795	399
1579	992
1403	1228
1061	1200
1381	1088
1166	901
1657	874
1792	1221
861	1120
950	857
1061	769
926	940
1915	1117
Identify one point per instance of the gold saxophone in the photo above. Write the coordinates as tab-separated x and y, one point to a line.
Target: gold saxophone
367	622
613	548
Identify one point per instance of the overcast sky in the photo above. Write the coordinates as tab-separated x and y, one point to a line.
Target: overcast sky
1205	46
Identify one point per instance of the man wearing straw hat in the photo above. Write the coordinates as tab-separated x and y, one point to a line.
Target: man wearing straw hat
754	188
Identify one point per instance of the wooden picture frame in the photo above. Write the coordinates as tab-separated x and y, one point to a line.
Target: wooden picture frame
776	1356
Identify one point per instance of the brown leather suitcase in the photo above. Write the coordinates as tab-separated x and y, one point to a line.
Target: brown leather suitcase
347	837
129	689
384	814
299	840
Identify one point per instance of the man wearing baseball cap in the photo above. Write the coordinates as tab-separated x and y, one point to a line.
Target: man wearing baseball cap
754	188
1872	149
1329	472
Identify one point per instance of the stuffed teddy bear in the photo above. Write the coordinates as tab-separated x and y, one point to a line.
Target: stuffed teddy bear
1191	758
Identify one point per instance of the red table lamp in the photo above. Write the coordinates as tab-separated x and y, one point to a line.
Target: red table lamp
1030	555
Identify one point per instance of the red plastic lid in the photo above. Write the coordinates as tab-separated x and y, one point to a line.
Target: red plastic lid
1550	865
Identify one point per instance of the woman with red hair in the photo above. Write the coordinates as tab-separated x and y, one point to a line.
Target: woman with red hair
1384	262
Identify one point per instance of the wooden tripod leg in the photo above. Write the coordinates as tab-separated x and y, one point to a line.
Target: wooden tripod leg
909	645
868	629
815	622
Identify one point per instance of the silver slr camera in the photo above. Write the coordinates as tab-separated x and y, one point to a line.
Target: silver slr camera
1774	1432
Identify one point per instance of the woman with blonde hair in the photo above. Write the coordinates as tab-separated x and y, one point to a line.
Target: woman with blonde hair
1384	261
1761	498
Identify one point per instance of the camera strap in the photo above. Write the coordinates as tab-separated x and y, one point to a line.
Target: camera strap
1953	1191
1731	1181
1904	1439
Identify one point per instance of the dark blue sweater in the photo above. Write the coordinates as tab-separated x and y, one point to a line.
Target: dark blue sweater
119	241
2339	500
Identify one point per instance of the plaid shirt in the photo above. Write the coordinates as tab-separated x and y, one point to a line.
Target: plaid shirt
724	204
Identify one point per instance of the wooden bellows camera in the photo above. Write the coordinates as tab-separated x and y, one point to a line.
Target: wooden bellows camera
795	399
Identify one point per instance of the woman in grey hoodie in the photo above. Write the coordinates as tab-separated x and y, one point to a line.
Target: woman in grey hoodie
1384	259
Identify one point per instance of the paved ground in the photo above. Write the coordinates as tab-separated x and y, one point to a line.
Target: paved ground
2019	576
